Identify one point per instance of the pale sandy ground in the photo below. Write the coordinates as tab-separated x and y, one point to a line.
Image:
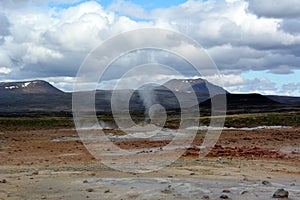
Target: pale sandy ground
34	167
186	179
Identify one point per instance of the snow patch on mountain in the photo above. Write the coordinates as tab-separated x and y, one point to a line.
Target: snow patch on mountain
11	87
26	84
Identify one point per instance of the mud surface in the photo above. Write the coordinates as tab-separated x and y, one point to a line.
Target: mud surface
245	164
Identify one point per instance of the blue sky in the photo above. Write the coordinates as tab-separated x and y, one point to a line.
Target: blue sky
254	44
279	79
276	80
147	5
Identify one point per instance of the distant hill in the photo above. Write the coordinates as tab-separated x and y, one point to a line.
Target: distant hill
285	99
34	97
29	87
197	85
248	103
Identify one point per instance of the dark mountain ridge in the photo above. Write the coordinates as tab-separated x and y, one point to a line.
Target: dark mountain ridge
21	98
248	103
284	99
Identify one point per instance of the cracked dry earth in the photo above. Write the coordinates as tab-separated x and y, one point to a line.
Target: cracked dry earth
54	164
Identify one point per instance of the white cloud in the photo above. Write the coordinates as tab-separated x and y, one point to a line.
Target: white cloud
259	85
80	28
4	70
227	80
230	55
56	41
38	41
64	83
5	59
291	89
128	8
36	54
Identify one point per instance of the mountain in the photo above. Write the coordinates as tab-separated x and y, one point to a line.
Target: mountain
40	97
285	99
32	97
29	87
197	85
248	103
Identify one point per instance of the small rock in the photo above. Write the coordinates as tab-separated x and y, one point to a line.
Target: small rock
245	179
226	191
107	191
244	192
205	197
293	184
247	138
266	182
3	181
281	193
192	173
43	197
35	173
85	181
223	196
167	190
90	190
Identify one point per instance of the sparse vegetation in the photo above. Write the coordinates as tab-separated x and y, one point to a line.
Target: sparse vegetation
34	123
240	120
263	119
248	120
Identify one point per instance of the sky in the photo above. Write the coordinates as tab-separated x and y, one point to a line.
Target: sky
255	44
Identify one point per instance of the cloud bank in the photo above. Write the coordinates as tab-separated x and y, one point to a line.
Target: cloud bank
50	39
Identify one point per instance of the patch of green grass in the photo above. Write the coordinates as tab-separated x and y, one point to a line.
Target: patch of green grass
173	121
34	123
259	119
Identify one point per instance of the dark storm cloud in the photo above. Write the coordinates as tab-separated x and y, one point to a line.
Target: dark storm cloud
275	8
291	25
4	25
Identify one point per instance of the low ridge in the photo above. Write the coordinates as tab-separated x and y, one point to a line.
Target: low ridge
29	87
